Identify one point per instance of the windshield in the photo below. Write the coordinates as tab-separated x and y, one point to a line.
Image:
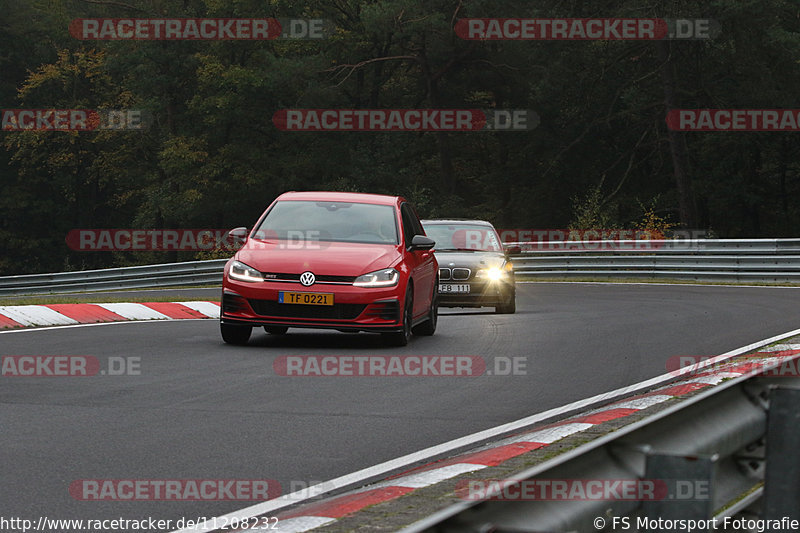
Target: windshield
329	221
463	237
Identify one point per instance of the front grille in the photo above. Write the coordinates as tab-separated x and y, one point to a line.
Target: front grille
269	276
335	279
332	312
444	274
461	274
280	276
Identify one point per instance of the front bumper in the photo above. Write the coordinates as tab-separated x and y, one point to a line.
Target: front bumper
353	309
481	294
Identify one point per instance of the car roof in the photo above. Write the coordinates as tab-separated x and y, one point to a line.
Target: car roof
457	221
355	197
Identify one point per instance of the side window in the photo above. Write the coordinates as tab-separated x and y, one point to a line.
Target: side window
418	229
408	224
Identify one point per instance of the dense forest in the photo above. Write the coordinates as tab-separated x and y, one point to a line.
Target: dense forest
601	156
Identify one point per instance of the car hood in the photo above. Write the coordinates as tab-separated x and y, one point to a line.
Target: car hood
473	260
323	258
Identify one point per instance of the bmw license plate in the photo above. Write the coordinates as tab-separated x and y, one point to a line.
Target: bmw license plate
460	288
305	298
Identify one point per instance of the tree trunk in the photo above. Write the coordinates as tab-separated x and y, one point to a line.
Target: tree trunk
683	181
448	182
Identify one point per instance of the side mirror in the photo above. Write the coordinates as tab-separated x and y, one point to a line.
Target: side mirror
421	242
513	250
238	234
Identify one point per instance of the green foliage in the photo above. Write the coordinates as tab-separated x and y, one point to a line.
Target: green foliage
656	225
591	212
213	158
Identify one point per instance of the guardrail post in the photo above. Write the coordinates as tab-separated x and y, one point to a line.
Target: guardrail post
683	487
782	483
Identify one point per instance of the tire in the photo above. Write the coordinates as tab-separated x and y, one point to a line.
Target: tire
429	326
276	330
401	338
510	307
238	335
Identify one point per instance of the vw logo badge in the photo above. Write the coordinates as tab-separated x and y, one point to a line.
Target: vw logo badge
307	279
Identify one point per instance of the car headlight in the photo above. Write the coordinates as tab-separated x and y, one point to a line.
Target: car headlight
495	273
242	272
380	278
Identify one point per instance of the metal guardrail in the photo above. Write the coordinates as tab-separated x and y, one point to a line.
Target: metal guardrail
738	440
137	277
759	260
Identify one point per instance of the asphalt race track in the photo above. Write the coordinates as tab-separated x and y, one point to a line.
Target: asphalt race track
204	410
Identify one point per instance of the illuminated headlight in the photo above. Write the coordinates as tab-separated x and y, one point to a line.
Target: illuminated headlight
495	273
242	272
492	274
387	277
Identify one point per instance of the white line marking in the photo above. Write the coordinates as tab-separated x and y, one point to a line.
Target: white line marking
642	403
550	435
715	378
35	315
207	308
134	311
429	477
781	348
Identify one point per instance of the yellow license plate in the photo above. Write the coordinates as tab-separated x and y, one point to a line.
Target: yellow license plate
305	298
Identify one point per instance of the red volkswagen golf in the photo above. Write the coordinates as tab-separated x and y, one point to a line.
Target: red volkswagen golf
345	261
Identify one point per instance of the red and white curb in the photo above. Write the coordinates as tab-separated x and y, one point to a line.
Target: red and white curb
315	515
26	316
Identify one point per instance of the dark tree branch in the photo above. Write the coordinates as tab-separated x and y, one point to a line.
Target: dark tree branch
354	67
117	4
